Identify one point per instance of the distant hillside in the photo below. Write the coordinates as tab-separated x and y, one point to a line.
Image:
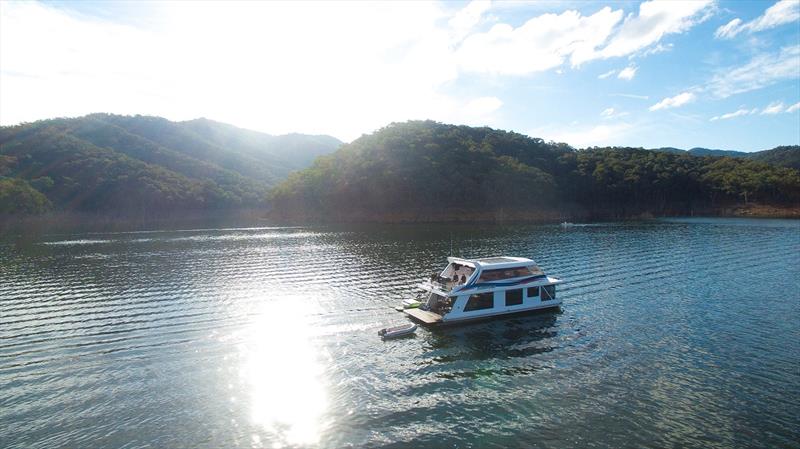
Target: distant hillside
697	151
785	156
140	164
423	170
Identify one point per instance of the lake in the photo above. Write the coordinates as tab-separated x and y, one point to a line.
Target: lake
673	333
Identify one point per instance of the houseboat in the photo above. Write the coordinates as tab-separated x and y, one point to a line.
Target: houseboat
469	289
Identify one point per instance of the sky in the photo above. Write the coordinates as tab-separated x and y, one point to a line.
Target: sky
704	73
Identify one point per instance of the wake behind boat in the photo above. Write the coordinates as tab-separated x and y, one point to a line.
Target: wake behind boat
469	289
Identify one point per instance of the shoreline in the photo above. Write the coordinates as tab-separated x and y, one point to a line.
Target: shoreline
81	221
541	216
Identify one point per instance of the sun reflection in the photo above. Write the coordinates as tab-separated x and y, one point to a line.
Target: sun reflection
284	374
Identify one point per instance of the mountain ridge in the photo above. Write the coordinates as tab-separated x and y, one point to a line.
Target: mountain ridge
429	171
150	165
83	163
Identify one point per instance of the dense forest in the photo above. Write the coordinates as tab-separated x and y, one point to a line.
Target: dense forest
786	156
419	170
145	165
424	170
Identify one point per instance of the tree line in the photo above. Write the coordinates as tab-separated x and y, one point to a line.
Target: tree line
430	169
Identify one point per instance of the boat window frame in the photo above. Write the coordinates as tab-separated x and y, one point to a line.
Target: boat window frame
528	292
479	296
518	301
550	291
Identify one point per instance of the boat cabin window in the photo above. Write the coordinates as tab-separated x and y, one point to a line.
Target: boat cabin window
548	292
438	303
435	300
533	292
514	297
509	273
479	301
457	273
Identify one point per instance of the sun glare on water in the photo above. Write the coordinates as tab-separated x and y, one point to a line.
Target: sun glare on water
283	373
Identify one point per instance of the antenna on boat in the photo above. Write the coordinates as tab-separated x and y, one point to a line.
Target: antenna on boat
451	244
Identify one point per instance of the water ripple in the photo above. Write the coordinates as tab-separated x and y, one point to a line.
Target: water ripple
266	336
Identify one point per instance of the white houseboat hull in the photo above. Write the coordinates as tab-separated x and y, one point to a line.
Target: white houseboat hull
497	286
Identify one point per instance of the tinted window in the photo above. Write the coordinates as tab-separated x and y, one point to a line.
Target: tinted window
548	292
479	302
505	273
514	297
533	292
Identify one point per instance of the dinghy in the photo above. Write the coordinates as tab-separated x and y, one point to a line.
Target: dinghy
397	331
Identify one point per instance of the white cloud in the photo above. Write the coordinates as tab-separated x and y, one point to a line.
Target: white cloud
737	113
605	75
793	108
545	42
773	108
608	134
634	96
611	113
466	19
655	20
274	67
480	109
656	49
729	30
541	43
785	11
283	67
627	73
674	102
763	70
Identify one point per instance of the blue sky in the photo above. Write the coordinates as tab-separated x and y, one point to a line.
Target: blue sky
714	74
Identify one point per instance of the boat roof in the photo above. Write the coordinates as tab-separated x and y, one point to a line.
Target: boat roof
493	262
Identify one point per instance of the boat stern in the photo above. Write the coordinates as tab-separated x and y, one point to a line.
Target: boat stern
424	316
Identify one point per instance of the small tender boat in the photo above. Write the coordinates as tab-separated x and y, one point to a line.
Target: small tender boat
411	303
408	304
469	289
397	331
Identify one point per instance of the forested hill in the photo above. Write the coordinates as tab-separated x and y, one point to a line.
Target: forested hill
424	170
141	164
787	156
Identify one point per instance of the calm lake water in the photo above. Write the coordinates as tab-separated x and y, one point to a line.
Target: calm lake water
679	333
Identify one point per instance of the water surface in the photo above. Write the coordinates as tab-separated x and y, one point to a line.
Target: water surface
675	333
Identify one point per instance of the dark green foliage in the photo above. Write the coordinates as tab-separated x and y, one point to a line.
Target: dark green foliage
786	156
18	197
427	167
146	165
424	167
625	181
697	151
138	164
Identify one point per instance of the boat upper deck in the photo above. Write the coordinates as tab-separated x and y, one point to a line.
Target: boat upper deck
485	273
492	263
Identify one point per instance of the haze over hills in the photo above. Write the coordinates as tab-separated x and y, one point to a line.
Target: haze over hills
786	156
423	170
104	162
414	170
